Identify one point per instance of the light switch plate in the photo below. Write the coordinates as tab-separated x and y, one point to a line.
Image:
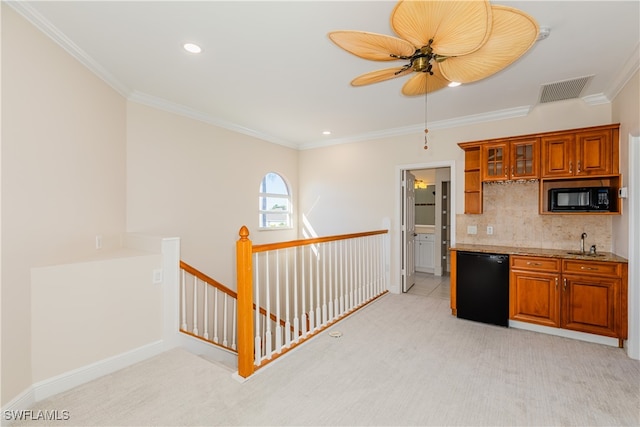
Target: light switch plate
157	275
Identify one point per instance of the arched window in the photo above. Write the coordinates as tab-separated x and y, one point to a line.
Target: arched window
274	203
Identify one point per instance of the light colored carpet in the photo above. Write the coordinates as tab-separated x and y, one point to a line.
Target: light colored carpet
404	360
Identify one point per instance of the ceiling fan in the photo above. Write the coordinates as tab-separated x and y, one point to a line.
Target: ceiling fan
442	41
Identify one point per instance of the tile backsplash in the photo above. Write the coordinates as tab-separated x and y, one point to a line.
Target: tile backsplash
512	210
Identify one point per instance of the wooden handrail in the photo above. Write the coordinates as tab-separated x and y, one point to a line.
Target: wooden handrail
303	242
200	275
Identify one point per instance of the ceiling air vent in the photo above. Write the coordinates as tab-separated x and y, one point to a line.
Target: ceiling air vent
567	89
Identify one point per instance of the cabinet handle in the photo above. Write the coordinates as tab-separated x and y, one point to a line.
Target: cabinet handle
511	170
564	284
536	264
570	167
578	171
556	283
589	268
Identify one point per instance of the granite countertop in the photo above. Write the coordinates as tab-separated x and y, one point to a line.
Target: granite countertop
549	253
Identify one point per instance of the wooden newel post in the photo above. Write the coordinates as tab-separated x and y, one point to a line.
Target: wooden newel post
245	303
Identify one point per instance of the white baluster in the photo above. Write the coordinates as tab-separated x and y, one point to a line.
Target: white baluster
205	316
216	338
296	320
257	345
352	275
225	300
316	286
195	305
278	341
267	307
303	319
343	275
324	284
332	277
234	323
183	302
287	323
311	315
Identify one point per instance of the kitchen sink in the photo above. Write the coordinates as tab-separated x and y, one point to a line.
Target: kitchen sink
589	254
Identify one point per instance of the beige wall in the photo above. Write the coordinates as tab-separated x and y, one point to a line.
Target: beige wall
63	175
87	312
189	179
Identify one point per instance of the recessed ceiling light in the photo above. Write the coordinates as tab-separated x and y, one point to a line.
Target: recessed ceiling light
192	48
326	132
454	84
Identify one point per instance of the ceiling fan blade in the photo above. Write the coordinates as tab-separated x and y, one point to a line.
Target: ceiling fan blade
377	47
423	83
513	33
380	76
456	27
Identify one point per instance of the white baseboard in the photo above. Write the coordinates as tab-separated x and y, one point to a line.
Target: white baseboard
68	380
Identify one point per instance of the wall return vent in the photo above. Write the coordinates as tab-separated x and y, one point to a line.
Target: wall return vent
567	89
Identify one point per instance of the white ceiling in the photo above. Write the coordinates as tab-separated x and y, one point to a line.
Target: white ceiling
268	68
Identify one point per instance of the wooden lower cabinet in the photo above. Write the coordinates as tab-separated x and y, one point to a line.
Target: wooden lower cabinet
580	295
534	290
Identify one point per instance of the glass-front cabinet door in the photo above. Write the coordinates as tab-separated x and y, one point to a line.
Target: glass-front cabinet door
495	161
511	159
525	156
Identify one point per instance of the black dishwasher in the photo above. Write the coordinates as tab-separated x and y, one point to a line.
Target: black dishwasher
482	287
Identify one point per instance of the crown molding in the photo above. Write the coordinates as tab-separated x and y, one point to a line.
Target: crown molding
171	107
597	99
419	128
35	18
626	72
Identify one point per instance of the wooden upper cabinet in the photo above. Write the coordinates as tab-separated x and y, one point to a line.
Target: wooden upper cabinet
511	159
594	152
524	157
472	180
557	155
568	158
590	152
495	161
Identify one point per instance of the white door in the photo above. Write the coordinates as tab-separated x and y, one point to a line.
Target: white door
408	230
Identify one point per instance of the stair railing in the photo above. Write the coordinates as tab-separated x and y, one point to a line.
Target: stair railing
303	287
208	308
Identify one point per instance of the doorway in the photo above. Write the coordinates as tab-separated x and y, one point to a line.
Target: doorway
434	222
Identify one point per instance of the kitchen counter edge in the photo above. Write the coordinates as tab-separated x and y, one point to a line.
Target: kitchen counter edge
548	253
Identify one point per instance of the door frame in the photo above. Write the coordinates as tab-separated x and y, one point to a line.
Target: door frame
399	242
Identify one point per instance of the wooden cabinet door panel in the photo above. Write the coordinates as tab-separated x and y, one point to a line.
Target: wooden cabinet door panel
557	155
590	304
594	153
533	298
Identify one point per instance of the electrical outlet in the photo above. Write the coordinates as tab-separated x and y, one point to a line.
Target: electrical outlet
472	229
489	229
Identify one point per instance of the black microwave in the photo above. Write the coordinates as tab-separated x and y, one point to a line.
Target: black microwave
585	199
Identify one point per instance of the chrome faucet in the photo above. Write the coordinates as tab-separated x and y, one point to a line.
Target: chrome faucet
582	237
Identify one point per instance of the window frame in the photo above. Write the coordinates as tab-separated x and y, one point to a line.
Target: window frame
264	213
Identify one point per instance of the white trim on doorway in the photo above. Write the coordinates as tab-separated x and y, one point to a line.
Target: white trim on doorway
633	342
396	246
